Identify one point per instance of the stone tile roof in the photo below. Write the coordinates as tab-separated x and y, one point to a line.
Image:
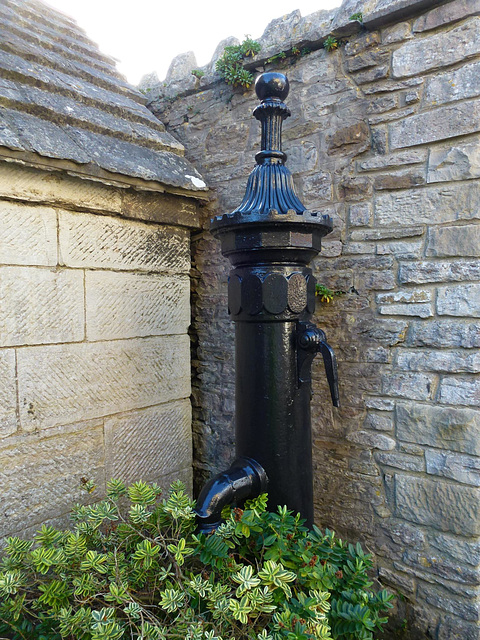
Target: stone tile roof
63	104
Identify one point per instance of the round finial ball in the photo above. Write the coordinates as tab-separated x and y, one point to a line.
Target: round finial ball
272	85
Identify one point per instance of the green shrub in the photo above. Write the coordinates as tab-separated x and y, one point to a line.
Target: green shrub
133	567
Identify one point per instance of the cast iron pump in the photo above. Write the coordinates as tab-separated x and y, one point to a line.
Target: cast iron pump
270	239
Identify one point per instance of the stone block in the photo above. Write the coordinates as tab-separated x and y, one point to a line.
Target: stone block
386	233
384	331
317	187
378	422
451	428
148	444
103	242
433	568
65	383
411	97
404	180
331	249
358	248
406	535
441	361
399	114
32	185
41	474
366	60
453	628
126	305
420	310
361	42
8	393
28	235
397	33
392	85
439	124
427	205
466	609
458	241
437	51
430	271
372	75
41	306
374	280
401	461
393	160
460	391
458	84
411	449
464	551
446	14
459	300
379	139
302	157
360	214
445	333
405	296
382	104
441	505
353	138
465	469
381	404
458	162
371	440
416	386
397	580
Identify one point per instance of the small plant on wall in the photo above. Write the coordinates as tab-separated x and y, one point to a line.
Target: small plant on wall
327	295
331	43
133	568
230	63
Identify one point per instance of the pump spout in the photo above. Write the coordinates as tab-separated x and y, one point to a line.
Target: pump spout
244	479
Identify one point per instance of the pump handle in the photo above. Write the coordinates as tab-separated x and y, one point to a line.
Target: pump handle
312	340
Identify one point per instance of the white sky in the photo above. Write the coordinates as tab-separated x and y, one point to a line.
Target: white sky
144	35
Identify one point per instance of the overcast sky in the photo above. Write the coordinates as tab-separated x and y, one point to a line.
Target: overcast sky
144	35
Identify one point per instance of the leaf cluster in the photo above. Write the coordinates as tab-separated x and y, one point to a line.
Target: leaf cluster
357	16
132	567
325	294
230	63
331	43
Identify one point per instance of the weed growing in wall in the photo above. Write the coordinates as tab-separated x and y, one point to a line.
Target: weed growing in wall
331	43
230	63
325	294
133	567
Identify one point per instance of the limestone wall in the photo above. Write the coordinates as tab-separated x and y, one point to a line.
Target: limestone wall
384	137
94	351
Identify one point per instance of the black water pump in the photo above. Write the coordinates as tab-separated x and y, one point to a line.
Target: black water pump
270	239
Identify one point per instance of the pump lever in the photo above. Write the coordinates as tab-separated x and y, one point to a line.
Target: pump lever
312	340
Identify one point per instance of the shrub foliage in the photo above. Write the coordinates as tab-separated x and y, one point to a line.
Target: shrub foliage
132	567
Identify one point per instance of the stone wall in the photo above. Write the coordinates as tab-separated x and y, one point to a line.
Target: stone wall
94	351
383	137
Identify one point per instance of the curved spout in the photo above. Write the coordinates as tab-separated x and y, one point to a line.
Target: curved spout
244	479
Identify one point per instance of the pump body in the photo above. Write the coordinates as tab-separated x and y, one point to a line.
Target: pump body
270	240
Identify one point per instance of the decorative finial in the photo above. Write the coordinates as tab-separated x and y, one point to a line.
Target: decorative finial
272	85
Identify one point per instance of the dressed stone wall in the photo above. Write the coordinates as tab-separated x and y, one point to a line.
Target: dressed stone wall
94	351
384	138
